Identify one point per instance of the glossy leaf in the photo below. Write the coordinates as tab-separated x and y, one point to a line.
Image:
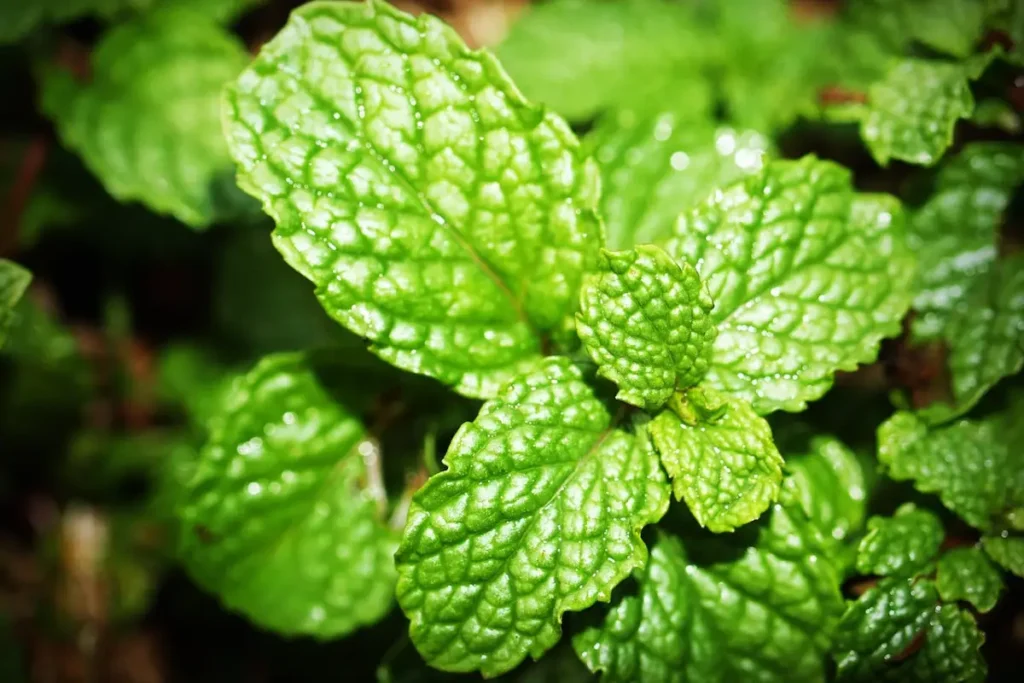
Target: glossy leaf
806	275
902	545
1007	551
14	280
439	214
645	321
967	574
280	518
538	513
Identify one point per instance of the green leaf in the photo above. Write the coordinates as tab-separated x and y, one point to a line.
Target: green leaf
806	275
950	26
14	280
644	320
279	517
998	114
439	214
898	632
975	466
148	122
538	513
1007	551
902	545
655	166
694	620
594	66
954	233
728	470
966	574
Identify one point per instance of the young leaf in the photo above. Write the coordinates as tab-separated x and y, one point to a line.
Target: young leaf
1007	551
954	232
644	320
655	166
14	281
807	278
898	632
148	122
967	574
728	469
278	517
439	214
902	545
538	513
694	621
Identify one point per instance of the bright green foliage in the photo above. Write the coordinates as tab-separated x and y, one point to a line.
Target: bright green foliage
807	277
148	122
655	166
644	319
727	469
14	281
281	515
954	232
439	214
967	574
693	620
975	466
902	545
1007	551
952	27
538	513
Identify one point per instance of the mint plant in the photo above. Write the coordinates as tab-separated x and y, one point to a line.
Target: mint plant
611	352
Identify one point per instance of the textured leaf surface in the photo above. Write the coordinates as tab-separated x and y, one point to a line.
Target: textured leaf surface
807	277
897	632
954	232
148	122
967	574
974	466
538	513
645	321
728	470
278	519
14	280
1007	551
439	214
902	545
696	620
655	166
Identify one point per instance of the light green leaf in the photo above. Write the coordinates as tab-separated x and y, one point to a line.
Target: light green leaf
538	513
655	166
14	280
953	27
1007	551
281	517
224	11
728	470
644	320
439	214
806	275
695	620
966	574
902	545
974	466
898	633
148	122
954	232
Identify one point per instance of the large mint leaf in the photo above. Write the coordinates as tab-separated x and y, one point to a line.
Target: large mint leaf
148	122
439	214
1007	551
278	517
898	632
538	513
692	619
655	166
902	545
954	232
727	469
14	281
967	574
975	466
807	278
644	320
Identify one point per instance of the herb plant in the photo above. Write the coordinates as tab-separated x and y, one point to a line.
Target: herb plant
664	341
